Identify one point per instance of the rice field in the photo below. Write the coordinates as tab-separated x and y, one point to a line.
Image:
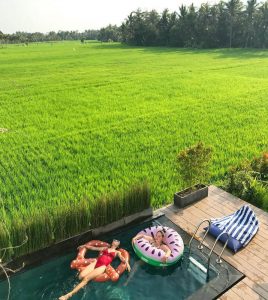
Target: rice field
84	120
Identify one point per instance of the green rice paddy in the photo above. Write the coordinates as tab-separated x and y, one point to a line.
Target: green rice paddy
90	119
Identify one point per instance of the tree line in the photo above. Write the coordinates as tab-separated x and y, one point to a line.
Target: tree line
225	24
26	37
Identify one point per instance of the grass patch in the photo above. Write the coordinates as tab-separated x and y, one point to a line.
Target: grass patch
94	120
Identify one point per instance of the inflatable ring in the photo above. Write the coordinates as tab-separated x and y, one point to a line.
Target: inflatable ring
153	255
110	273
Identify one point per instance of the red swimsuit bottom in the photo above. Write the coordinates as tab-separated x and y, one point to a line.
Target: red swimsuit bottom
105	258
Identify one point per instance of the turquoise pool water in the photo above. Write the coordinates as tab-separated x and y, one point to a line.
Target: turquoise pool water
54	278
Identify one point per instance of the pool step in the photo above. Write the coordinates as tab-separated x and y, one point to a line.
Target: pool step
198	264
198	271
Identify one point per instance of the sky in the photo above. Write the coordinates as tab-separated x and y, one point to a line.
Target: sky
54	15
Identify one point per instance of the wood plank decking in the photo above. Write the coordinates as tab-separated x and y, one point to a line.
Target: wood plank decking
252	261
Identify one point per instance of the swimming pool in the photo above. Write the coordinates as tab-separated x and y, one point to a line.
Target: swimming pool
181	281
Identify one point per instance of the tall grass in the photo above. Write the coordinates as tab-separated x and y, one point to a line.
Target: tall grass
44	228
136	199
91	119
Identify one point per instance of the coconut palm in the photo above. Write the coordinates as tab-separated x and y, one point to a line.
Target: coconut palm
250	12
234	9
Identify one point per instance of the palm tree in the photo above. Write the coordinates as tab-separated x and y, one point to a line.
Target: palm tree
250	11
234	8
263	25
164	28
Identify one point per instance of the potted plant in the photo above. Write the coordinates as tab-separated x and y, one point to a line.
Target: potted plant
193	165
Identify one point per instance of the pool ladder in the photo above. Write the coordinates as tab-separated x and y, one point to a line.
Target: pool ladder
200	245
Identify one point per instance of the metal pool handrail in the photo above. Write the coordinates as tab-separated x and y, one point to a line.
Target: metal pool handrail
218	260
200	246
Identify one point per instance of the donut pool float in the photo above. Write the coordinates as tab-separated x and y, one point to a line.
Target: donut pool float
110	273
153	255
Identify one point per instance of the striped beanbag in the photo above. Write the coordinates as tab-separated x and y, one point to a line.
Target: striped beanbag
241	226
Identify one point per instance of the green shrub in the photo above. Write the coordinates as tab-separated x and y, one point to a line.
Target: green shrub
256	193
194	164
260	165
238	182
247	181
265	202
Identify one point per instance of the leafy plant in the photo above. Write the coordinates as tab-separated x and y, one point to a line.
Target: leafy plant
239	179
194	164
260	165
248	181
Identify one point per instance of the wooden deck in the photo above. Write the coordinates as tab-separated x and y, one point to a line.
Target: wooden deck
251	261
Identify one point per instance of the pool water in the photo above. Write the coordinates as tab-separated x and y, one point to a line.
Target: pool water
55	278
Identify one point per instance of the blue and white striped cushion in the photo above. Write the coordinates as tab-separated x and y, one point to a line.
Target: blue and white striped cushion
241	225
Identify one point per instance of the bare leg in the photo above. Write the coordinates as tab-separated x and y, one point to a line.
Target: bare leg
89	277
87	270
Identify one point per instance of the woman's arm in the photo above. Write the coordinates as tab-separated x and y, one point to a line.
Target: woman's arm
142	236
96	248
92	248
123	260
137	237
167	251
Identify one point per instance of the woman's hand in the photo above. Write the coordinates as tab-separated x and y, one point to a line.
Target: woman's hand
128	267
81	246
65	297
167	251
125	261
137	237
164	259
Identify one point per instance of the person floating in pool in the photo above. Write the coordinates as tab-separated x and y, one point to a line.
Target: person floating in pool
156	241
98	266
